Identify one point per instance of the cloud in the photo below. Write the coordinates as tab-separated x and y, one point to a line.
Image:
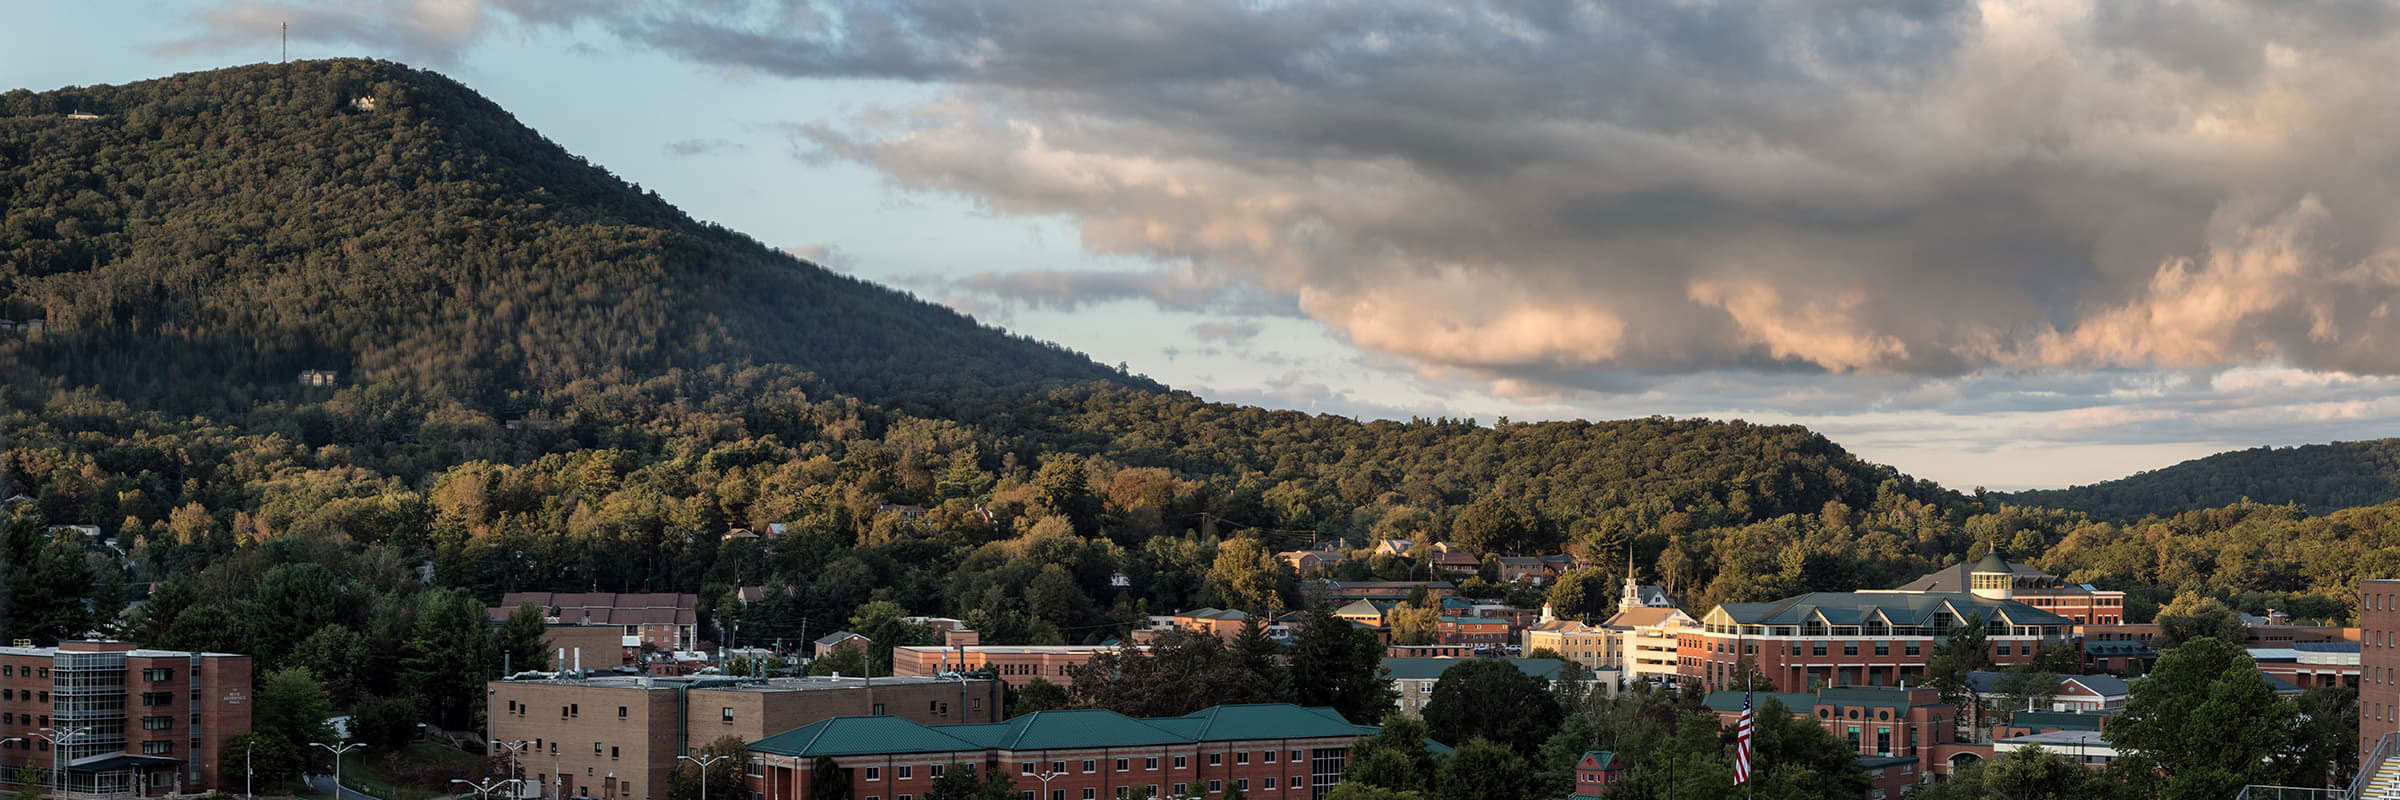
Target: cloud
704	147
821	254
1228	331
1174	289
1928	190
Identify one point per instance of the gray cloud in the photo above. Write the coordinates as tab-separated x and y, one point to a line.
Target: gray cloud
1228	331
1557	197
704	147
425	30
1176	289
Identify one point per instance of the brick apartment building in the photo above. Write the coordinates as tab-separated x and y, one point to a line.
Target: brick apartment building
150	722
1477	632
1017	664
2378	661
658	620
616	737
1264	750
1854	638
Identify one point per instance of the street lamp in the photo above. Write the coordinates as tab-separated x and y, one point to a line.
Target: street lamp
704	762
338	750
515	749
1044	776
483	788
58	740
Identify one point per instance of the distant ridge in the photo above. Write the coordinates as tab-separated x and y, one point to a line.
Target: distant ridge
2320	477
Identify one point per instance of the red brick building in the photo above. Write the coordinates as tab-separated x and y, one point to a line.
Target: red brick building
1596	771
1883	721
1265	750
1853	638
143	723
660	620
2378	661
1999	579
1478	632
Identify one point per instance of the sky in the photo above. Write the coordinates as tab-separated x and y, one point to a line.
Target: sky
2000	244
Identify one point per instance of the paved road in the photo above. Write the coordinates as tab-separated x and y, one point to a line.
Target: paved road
324	783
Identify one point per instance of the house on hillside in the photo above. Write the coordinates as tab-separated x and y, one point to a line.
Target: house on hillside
366	103
1596	771
838	640
84	116
318	378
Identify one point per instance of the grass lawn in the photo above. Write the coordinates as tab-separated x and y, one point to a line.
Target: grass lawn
371	772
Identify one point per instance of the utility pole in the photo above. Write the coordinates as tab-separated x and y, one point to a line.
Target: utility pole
337	762
287	43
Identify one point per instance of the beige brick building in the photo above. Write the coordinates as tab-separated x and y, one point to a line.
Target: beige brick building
616	737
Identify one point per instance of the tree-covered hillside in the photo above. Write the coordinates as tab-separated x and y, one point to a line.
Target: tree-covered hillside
211	235
2320	477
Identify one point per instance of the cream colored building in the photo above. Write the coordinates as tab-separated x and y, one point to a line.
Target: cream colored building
1593	646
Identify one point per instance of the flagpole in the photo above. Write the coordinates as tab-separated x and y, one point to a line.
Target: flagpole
1748	790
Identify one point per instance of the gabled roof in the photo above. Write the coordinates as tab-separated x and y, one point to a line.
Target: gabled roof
1055	730
1375	607
1852	608
2117	647
1954	578
1597	759
2102	685
837	637
1258	721
1646	617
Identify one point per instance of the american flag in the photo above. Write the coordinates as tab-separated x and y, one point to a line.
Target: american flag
1741	743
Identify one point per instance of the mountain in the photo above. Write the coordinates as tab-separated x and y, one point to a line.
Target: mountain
543	377
2320	477
229	229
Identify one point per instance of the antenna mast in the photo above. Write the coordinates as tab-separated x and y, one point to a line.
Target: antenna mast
287	43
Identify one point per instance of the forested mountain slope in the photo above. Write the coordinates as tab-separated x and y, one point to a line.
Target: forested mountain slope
2320	477
224	230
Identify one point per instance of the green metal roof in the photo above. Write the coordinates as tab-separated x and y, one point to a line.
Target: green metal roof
843	736
1265	721
1419	669
1060	730
1599	759
1730	700
1086	727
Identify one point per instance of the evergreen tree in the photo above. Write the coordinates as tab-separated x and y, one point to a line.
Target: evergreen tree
2208	719
1339	665
521	639
448	656
1494	701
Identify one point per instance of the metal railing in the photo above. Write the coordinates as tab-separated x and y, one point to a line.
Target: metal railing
2367	767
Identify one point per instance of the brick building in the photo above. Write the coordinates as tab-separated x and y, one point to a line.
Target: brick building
616	737
2309	665
658	620
1592	646
1018	664
1264	750
2378	662
148	722
1885	721
1476	632
1854	638
1596	771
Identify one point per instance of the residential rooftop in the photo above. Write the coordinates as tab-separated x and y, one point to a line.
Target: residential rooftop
1073	729
731	683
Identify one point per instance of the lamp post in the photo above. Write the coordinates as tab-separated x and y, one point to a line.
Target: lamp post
338	750
704	762
58	739
483	788
1044	776
515	748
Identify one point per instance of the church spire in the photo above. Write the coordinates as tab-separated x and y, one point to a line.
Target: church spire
1632	597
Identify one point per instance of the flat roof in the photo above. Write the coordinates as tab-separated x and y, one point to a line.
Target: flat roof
1053	649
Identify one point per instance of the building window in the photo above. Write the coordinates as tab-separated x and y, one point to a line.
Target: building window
157	748
1269	756
1241	757
1269	784
1182	789
1025	768
1215	786
1816	648
612	753
1088	794
1180	763
874	773
1215	759
903	772
157	723
1124	765
1088	766
620	712
878	709
726	713
1912	649
1849	648
156	675
1150	763
1883	648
